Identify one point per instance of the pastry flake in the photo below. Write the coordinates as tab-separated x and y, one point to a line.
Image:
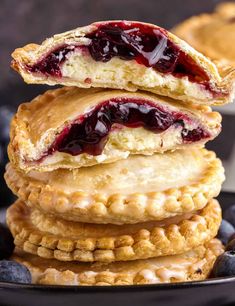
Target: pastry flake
125	55
50	237
138	189
72	128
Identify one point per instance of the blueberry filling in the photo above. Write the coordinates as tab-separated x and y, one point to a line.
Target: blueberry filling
51	64
88	134
148	45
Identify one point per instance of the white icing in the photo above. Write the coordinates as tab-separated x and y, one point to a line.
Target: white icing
83	203
90	274
199	264
167	274
149	275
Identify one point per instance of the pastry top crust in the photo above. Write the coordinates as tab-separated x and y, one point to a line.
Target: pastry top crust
135	190
212	34
136	174
30	54
37	124
193	265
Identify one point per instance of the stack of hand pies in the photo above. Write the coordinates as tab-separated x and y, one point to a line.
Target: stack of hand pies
113	182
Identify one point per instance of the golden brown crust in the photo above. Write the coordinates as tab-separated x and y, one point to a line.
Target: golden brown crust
194	265
47	236
36	126
212	34
131	73
109	193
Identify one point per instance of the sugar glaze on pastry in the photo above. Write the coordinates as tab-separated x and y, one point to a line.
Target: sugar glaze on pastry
193	265
138	189
50	237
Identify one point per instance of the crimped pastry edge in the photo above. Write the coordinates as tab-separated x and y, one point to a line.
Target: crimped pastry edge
199	270
159	241
116	208
32	52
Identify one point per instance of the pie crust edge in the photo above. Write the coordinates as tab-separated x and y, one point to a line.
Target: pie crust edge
200	270
159	241
115	208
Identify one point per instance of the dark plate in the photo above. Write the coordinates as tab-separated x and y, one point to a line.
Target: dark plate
214	292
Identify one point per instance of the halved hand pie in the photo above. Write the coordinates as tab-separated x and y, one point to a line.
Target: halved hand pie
138	189
212	34
125	55
71	128
49	237
193	265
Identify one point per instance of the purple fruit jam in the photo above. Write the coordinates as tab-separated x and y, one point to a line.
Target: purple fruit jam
88	134
194	135
51	65
148	45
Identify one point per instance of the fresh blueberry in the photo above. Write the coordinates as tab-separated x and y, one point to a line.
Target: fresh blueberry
14	272
225	231
3	154
6	195
229	215
231	245
5	118
6	242
231	237
224	265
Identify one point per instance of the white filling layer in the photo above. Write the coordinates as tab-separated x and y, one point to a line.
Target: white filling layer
121	143
129	75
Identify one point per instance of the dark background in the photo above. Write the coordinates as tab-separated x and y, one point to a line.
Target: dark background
25	21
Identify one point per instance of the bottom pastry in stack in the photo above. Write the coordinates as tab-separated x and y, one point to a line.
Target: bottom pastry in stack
192	265
158	213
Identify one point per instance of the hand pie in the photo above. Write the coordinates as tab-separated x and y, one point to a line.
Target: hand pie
49	237
72	128
212	34
193	265
137	189
125	55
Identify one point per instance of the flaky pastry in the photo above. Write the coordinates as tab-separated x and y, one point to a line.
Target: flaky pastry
125	55
72	128
50	237
193	265
137	189
212	34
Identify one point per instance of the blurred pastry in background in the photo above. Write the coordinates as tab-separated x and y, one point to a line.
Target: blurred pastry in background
212	34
